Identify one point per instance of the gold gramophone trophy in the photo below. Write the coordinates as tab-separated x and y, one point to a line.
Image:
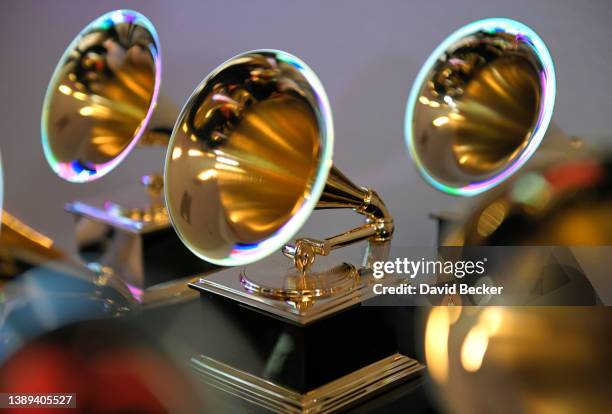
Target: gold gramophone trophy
249	160
103	100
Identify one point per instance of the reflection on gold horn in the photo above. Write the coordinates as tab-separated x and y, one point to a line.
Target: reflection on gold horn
250	158
477	112
104	98
481	105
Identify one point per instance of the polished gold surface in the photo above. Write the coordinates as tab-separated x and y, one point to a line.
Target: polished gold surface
496	112
340	192
566	204
520	359
101	96
277	288
23	248
20	244
250	158
331	397
244	155
480	106
153	211
532	359
258	180
300	289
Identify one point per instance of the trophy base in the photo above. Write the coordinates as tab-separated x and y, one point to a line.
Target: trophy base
338	394
279	355
342	286
299	287
135	242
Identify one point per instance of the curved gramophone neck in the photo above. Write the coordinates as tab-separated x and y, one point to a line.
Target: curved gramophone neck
340	192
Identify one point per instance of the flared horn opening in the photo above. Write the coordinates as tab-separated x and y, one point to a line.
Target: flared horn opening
249	157
480	106
101	96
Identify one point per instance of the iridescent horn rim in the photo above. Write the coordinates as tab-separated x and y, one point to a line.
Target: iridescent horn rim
70	171
243	253
548	81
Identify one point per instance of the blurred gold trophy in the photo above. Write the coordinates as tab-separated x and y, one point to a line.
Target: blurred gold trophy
104	99
21	246
540	358
249	160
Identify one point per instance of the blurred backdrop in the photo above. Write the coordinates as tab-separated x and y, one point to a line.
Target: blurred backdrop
366	53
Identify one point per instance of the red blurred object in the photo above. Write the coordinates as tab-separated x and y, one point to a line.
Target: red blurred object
109	372
581	173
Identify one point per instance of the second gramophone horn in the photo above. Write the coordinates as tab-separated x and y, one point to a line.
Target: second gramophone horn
481	105
104	97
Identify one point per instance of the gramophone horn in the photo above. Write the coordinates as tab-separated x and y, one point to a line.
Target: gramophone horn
480	106
250	158
102	97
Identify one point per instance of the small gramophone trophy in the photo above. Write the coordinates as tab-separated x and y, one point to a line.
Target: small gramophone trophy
249	160
103	100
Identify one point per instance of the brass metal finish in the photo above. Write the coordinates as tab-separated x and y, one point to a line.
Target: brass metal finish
248	162
300	290
21	243
490	119
139	243
480	106
104	98
331	397
101	96
272	285
22	248
244	156
340	192
566	204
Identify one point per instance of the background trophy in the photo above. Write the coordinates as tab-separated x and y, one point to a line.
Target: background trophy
249	160
566	205
104	99
480	107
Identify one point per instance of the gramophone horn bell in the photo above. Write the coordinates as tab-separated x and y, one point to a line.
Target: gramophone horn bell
249	157
480	106
101	96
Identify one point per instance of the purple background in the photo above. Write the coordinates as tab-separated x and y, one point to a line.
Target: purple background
366	53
